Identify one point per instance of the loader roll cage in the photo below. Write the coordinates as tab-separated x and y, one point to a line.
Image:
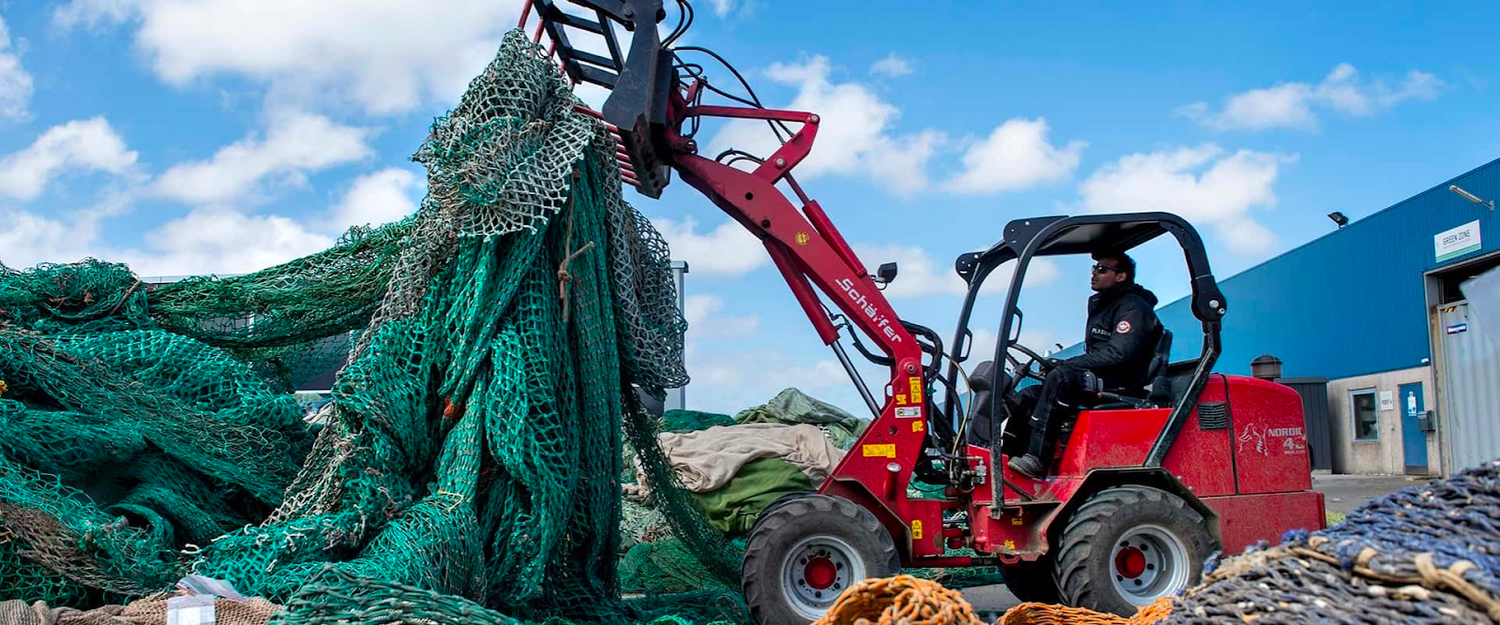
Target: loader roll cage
654	109
1026	239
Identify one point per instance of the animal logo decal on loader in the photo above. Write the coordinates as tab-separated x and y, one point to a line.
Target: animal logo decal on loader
1262	440
1255	438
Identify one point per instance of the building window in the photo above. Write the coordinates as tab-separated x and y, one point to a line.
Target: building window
1362	406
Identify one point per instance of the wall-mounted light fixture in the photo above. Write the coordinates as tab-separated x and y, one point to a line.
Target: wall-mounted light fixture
1471	197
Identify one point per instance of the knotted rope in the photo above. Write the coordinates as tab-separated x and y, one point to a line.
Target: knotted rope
900	600
563	277
1047	614
1429	553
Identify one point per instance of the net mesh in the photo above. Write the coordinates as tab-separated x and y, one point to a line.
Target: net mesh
468	462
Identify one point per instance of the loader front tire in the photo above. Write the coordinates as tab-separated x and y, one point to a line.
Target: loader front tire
805	551
1128	546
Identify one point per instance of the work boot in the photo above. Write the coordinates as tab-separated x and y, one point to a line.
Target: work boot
1029	466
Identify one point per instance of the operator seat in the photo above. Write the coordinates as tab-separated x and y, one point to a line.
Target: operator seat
1156	394
1158	390
1158	383
979	425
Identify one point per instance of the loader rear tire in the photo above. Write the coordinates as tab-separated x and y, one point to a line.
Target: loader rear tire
1128	546
805	551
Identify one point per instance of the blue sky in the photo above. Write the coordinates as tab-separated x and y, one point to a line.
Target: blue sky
228	135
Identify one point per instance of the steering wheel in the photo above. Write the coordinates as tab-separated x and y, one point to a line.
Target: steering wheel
1044	363
1043	366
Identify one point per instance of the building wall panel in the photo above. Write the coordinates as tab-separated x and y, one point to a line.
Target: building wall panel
1383	456
1471	402
1349	303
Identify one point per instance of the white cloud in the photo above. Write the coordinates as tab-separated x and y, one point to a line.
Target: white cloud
89	145
216	239
1201	183
221	241
209	239
892	66
386	56
981	348
29	238
903	167
728	387
735	381
1016	155
297	143
723	7
58	236
1247	237
94	13
732	380
1041	341
918	275
727	250
821	374
382	197
15	83
1040	272
854	133
704	321
1292	104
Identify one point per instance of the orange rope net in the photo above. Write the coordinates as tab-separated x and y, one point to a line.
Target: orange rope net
907	600
900	600
1045	614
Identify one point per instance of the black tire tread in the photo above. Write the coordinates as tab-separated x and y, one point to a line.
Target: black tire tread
760	552
1078	539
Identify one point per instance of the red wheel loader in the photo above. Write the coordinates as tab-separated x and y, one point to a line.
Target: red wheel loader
1144	485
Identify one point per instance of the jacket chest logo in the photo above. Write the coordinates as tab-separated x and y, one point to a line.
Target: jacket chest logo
1100	332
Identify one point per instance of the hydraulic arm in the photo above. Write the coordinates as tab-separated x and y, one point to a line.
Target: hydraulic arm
654	108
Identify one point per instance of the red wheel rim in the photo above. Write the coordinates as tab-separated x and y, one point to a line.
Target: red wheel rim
820	573
1130	562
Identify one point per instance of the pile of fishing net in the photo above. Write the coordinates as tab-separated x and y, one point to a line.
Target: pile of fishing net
655	560
1425	554
466	466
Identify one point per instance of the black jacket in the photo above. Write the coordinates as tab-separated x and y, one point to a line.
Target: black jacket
1121	336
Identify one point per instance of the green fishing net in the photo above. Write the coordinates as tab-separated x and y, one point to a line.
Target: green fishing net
467	466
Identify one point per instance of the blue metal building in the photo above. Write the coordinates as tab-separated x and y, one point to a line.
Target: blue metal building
1378	309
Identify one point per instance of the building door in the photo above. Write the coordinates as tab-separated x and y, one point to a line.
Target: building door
1413	438
1471	388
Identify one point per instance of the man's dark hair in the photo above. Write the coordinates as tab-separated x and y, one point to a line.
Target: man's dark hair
1122	261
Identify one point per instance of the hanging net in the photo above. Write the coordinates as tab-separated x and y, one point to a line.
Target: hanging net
488	349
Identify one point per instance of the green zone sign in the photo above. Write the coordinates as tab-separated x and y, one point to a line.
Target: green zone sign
1456	242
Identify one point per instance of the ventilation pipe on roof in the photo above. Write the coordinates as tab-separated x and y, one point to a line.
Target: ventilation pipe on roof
1266	367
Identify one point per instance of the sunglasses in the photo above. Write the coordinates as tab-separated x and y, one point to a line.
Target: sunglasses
1105	268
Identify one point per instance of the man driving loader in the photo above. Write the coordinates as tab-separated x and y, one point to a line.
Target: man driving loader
1118	346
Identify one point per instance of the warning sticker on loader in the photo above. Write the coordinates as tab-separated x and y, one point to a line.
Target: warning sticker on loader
916	426
916	530
908	413
916	390
880	451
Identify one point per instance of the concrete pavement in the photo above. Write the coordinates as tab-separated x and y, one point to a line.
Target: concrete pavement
1344	493
990	601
